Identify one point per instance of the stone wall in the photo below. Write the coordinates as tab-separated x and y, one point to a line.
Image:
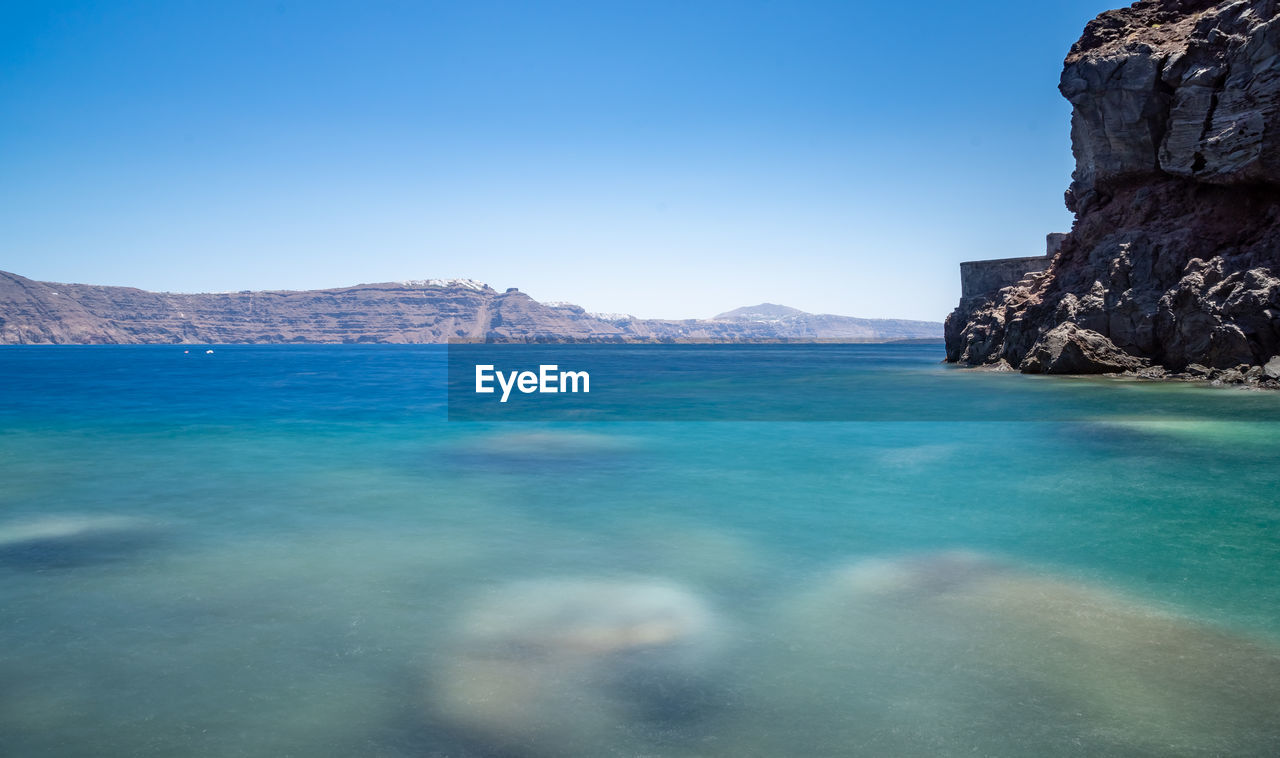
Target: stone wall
978	278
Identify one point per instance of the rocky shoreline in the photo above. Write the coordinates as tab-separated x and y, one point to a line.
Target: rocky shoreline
1246	377
1170	269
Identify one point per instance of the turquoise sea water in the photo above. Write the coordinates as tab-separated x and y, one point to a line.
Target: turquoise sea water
288	550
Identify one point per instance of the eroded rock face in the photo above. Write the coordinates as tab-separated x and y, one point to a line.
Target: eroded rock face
1174	258
1178	87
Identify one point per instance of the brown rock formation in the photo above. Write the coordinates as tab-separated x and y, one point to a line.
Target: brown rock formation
1174	255
1068	349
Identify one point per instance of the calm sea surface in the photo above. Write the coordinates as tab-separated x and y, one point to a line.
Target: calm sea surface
288	550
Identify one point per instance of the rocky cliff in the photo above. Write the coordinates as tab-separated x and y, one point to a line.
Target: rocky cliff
33	312
1171	265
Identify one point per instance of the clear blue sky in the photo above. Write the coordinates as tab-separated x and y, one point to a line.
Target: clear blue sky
667	159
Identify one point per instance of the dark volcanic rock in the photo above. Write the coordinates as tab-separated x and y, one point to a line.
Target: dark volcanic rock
1068	349
1175	251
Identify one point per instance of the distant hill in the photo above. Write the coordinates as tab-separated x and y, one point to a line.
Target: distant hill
761	312
418	311
793	323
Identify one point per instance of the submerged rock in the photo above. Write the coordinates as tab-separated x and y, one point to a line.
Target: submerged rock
70	540
946	641
576	668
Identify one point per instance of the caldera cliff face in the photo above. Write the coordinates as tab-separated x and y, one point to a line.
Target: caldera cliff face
1171	265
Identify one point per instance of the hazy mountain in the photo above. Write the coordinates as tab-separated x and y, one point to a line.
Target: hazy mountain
793	323
761	312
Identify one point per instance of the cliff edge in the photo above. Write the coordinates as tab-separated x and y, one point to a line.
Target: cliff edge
1171	265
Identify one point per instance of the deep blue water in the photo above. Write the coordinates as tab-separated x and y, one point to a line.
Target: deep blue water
288	550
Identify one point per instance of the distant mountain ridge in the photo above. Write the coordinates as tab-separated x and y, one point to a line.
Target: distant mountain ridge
797	324
761	312
417	311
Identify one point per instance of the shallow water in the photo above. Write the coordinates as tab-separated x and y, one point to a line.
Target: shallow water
287	550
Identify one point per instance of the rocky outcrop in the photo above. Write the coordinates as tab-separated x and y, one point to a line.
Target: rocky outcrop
1068	349
1174	258
426	311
